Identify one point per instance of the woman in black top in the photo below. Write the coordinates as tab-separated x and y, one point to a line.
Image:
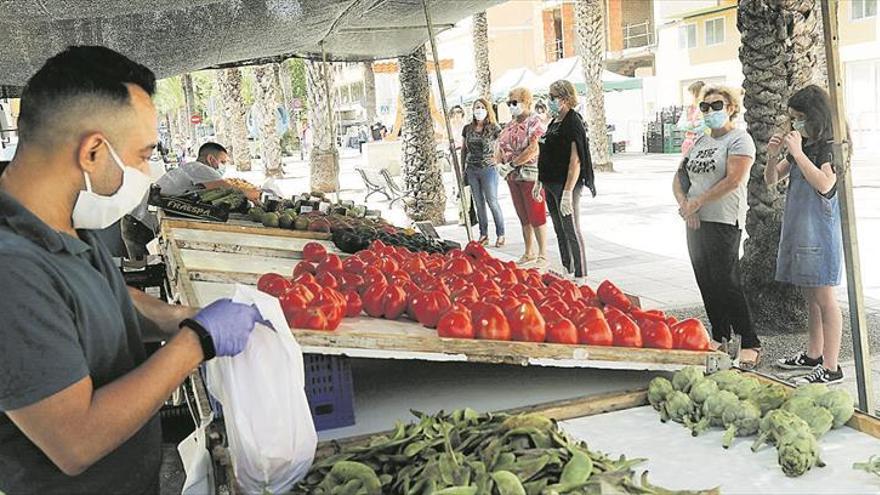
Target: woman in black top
564	168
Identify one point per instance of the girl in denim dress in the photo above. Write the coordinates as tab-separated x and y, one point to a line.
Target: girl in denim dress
810	247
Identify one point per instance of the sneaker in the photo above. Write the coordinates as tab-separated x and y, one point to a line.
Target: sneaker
799	362
822	375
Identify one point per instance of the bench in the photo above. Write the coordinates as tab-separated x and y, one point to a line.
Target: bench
372	185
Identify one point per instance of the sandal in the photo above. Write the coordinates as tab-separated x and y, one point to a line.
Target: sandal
526	259
751	365
484	240
500	241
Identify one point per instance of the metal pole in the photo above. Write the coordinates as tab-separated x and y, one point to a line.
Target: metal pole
841	149
328	96
455	164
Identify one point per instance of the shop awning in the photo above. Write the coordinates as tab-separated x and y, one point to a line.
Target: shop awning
572	70
177	36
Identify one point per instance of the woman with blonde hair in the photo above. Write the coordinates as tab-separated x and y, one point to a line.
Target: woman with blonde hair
711	190
564	168
517	152
477	153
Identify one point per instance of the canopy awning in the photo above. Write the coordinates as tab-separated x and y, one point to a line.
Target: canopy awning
178	36
572	70
513	78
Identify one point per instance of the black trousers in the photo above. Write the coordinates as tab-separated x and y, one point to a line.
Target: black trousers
714	252
572	248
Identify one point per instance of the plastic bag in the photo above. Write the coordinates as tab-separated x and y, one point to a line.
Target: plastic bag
271	434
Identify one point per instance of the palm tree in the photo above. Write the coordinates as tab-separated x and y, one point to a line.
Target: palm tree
590	20
324	158
370	91
423	176
267	104
190	100
229	84
778	58
481	55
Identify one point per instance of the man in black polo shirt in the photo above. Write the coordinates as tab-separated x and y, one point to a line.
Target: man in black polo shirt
78	398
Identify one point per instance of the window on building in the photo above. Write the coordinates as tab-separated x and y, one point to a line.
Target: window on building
687	36
715	31
862	9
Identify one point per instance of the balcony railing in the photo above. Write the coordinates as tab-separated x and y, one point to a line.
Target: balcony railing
555	50
638	35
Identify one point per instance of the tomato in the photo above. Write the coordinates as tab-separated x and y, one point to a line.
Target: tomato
466	301
331	264
354	265
372	299
455	253
548	278
388	266
526	323
350	281
273	284
611	295
468	291
509	302
596	303
457	284
393	302
456	324
413	266
489	322
305	278
535	294
562	331
626	332
302	291
327	279
476	250
671	320
422	278
690	334
595	332
399	275
555	304
372	281
521	275
586	292
478	278
567	291
292	302
655	334
458	266
651	314
353	304
310	318
314	252
313	287
368	257
427	307
577	307
507	279
303	267
488	286
376	245
328	295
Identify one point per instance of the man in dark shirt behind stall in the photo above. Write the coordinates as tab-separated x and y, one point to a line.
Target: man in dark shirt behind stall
78	397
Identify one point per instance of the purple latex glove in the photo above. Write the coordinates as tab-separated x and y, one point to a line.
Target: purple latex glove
230	324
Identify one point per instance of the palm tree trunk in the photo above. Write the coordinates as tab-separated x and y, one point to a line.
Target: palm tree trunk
481	55
267	102
423	176
234	117
190	99
590	18
324	157
778	59
370	92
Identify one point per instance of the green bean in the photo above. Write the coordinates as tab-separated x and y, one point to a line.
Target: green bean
507	483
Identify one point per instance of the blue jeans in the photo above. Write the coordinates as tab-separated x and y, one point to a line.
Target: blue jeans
484	189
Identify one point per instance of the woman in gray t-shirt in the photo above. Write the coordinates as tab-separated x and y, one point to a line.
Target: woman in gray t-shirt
711	189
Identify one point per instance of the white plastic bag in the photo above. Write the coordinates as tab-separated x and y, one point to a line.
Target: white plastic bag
269	425
197	462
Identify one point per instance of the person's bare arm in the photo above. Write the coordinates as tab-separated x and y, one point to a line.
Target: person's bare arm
821	178
529	153
738	167
775	170
165	316
677	191
463	153
251	194
79	425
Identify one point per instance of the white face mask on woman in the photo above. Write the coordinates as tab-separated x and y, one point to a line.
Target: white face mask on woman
516	110
94	211
480	114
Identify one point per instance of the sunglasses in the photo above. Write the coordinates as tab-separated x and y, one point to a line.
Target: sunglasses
512	103
715	105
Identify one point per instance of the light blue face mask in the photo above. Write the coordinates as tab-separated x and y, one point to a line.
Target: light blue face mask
553	107
716	119
799	125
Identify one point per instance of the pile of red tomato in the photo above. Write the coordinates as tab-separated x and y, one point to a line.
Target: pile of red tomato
469	294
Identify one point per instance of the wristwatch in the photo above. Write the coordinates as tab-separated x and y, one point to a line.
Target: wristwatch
205	339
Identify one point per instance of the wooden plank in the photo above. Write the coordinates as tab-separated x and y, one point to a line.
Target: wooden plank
229	263
242	227
247	244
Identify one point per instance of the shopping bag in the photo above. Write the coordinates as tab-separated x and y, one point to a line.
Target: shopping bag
269	426
196	461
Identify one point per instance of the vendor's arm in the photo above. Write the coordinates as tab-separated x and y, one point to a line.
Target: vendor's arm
164	317
251	194
738	167
822	178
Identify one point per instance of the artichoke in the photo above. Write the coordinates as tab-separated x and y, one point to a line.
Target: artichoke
746	387
741	420
725	379
770	396
685	378
819	419
798	452
658	390
775	424
812	390
702	390
678	407
839	403
713	409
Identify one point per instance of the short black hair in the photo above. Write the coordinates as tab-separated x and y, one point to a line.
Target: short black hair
815	104
211	148
77	72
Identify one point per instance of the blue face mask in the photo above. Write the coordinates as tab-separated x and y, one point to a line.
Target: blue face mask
553	107
799	125
716	120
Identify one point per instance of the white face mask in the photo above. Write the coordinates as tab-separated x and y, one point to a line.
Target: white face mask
516	110
94	211
480	113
